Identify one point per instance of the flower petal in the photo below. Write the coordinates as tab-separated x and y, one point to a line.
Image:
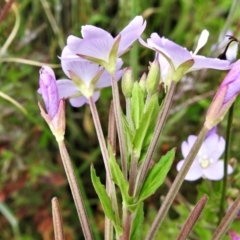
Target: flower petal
78	101
215	171
187	145
175	52
215	146
97	47
201	62
85	70
194	173
202	40
131	33
66	88
68	56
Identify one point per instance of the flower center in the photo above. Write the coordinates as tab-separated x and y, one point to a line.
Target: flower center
204	161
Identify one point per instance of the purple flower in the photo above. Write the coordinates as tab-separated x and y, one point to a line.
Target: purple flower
207	163
225	96
234	236
49	91
87	78
175	60
99	46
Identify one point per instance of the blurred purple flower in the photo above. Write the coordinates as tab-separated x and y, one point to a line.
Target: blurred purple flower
234	236
90	78
98	43
49	91
206	163
172	56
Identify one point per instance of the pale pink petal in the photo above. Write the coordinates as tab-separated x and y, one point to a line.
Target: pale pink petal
131	33
215	171
194	173
215	146
69	56
175	52
89	31
187	145
94	47
73	43
84	70
201	62
66	88
78	101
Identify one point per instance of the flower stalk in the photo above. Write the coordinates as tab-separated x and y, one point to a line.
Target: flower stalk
167	202
119	124
82	215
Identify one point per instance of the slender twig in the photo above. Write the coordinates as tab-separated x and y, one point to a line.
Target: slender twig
108	233
82	215
119	123
14	102
179	196
5	10
227	220
192	219
13	34
57	220
226	157
160	123
101	138
167	202
29	62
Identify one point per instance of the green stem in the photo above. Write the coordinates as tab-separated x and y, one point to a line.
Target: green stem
173	191
119	124
226	157
101	138
82	215
162	116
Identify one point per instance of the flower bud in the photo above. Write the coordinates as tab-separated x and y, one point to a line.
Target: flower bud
49	91
127	82
153	77
225	96
55	108
142	82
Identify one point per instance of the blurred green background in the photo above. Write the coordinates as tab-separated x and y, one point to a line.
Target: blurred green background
33	33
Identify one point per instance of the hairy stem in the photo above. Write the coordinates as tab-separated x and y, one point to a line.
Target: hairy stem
82	215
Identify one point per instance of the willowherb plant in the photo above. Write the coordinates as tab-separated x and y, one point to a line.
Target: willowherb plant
92	62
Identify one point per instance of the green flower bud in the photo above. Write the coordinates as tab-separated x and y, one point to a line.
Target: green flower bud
142	83
153	77
127	82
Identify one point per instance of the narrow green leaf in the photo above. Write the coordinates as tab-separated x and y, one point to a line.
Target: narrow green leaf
102	194
137	104
137	223
146	127
119	180
157	175
128	135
